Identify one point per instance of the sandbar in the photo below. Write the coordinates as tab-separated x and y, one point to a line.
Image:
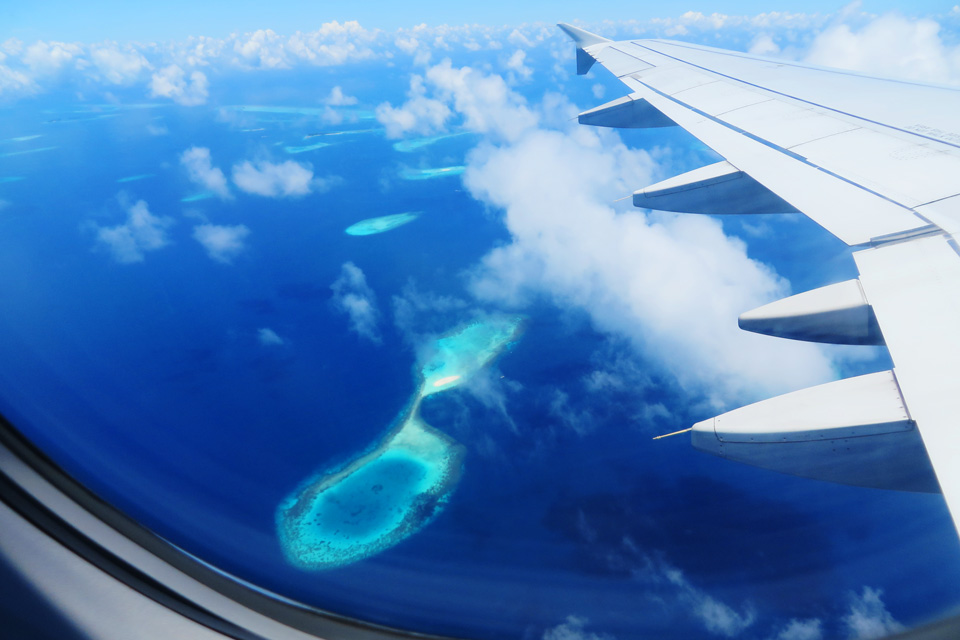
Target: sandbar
372	226
428	174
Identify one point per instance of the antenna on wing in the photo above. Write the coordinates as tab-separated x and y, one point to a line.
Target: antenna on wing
667	435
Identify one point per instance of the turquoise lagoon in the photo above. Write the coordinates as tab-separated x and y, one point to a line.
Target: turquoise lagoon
396	488
371	226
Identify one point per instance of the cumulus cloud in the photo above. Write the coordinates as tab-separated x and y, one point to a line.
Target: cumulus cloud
763	45
573	628
418	313
718	618
516	64
200	168
12	81
354	297
284	179
262	48
868	617
269	338
419	114
912	44
801	630
49	57
407	44
891	45
222	242
117	66
672	285
484	101
336	43
142	232
338	98
172	82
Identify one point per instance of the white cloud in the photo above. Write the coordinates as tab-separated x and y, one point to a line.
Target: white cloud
415	310
581	421
284	179
515	64
868	617
517	38
49	57
354	297
717	617
573	628
263	49
269	338
598	90
172	82
222	242
763	45
338	98
335	43
202	172
116	66
407	44
419	114
13	81
801	630
142	232
891	45
672	285
485	102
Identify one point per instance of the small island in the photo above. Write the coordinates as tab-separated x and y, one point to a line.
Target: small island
430	174
372	226
395	489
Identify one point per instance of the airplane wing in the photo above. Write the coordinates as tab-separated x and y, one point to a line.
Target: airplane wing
876	162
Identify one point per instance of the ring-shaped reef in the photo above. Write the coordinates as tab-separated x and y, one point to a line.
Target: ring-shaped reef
397	487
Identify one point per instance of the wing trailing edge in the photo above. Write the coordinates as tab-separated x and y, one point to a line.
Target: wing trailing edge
716	189
855	431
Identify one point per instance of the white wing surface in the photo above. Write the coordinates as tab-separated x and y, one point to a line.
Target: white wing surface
876	162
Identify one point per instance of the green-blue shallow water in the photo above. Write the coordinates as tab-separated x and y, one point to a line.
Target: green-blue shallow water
396	488
428	174
372	226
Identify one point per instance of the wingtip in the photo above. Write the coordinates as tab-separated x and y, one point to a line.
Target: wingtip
581	37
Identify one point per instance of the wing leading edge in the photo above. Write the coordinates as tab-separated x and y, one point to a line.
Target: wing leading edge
874	162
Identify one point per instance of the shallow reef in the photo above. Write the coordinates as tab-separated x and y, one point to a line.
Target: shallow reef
396	488
429	174
372	226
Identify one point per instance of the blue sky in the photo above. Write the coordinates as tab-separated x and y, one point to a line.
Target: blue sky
119	20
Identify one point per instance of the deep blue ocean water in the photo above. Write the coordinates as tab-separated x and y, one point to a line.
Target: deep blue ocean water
148	382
